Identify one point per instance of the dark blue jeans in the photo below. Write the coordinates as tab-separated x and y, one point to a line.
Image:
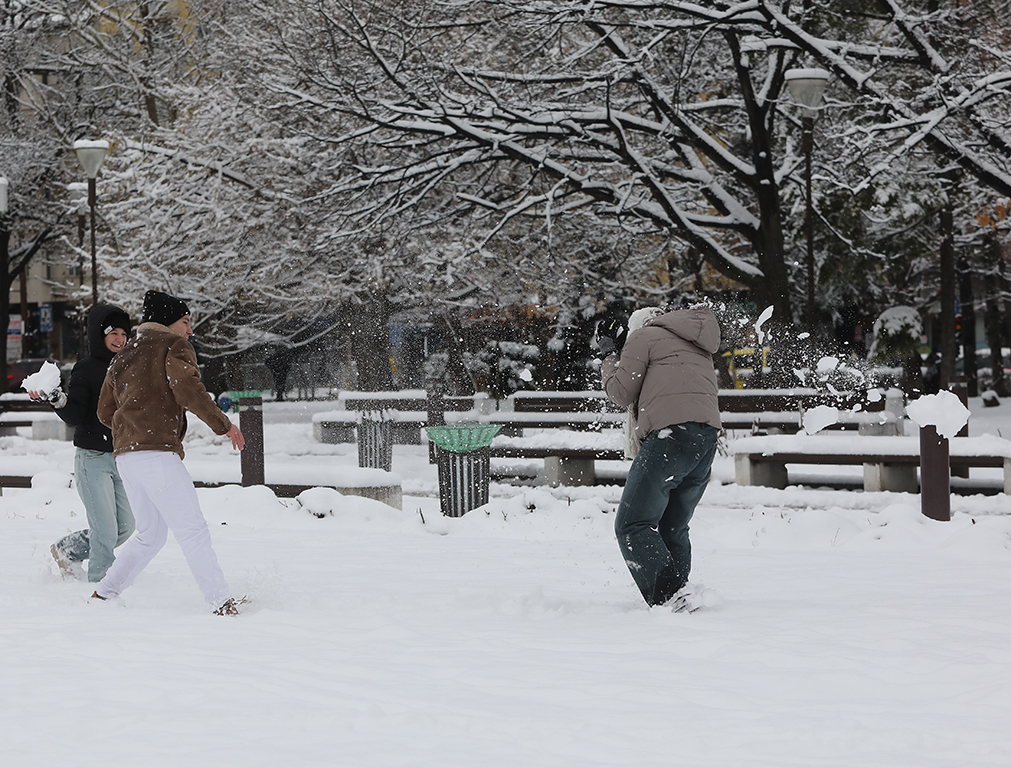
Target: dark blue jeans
665	483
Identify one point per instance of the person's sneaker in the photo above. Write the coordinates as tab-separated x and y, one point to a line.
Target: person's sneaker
691	597
230	607
66	569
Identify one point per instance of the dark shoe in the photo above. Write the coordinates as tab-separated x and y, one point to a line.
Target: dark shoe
98	596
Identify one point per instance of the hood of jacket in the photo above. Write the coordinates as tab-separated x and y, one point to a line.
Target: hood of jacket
100	318
698	326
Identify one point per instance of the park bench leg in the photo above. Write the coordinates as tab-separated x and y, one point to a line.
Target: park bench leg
1007	476
884	477
770	474
561	470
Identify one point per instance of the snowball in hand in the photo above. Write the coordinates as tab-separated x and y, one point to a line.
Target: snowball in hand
46	380
944	411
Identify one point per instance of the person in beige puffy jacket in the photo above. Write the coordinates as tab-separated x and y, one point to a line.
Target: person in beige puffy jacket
150	385
665	369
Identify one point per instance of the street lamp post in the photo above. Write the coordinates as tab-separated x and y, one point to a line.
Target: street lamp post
91	155
807	87
4	258
78	193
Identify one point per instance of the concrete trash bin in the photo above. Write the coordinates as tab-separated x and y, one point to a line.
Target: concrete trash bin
464	459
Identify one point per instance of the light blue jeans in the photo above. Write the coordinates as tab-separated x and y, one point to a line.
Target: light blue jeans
110	520
665	483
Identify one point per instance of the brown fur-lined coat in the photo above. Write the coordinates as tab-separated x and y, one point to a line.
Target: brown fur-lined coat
150	385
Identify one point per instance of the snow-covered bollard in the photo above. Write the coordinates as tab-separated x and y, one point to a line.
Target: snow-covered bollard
939	417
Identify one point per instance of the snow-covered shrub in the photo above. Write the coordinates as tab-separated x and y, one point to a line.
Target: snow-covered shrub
504	367
897	333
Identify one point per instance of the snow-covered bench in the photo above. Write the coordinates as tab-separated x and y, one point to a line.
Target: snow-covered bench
286	480
783	410
569	457
290	479
889	463
18	471
407	410
17	410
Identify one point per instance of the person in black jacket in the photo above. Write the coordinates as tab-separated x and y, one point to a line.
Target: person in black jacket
110	520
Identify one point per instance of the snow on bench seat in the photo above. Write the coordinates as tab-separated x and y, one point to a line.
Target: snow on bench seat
46	425
889	463
568	456
290	479
21	471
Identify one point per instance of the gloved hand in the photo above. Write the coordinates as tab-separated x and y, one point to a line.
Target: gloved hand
57	398
611	335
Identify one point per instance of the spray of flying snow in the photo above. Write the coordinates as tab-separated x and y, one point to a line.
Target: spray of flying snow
827	365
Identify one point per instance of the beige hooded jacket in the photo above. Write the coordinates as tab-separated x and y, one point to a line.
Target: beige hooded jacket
667	367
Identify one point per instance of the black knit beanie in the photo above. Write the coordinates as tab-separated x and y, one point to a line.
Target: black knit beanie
161	308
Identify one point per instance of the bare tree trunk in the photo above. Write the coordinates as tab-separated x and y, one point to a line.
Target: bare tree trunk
994	322
949	344
968	328
369	343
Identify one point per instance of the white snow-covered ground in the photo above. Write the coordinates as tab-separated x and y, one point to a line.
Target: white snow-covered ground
851	631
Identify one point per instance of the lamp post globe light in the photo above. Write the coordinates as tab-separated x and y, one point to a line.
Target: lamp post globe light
91	155
807	86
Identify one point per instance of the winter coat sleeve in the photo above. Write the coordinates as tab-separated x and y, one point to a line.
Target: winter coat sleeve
79	398
187	388
107	402
622	377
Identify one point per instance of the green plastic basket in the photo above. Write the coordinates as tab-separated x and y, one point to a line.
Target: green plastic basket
463	438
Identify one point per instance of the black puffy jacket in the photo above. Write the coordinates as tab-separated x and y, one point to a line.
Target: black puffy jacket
87	377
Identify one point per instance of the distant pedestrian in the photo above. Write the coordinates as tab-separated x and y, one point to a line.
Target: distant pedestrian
110	520
665	369
150	386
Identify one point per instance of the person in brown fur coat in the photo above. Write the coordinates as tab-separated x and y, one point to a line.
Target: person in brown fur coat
150	385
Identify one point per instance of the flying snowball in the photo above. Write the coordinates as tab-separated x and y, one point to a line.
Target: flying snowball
819	417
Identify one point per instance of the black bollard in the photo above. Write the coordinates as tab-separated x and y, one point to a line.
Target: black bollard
960	389
935	475
251	425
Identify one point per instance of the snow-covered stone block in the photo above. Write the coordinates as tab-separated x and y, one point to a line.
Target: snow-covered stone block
885	477
770	474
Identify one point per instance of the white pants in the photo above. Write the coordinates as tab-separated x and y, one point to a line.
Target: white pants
163	498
